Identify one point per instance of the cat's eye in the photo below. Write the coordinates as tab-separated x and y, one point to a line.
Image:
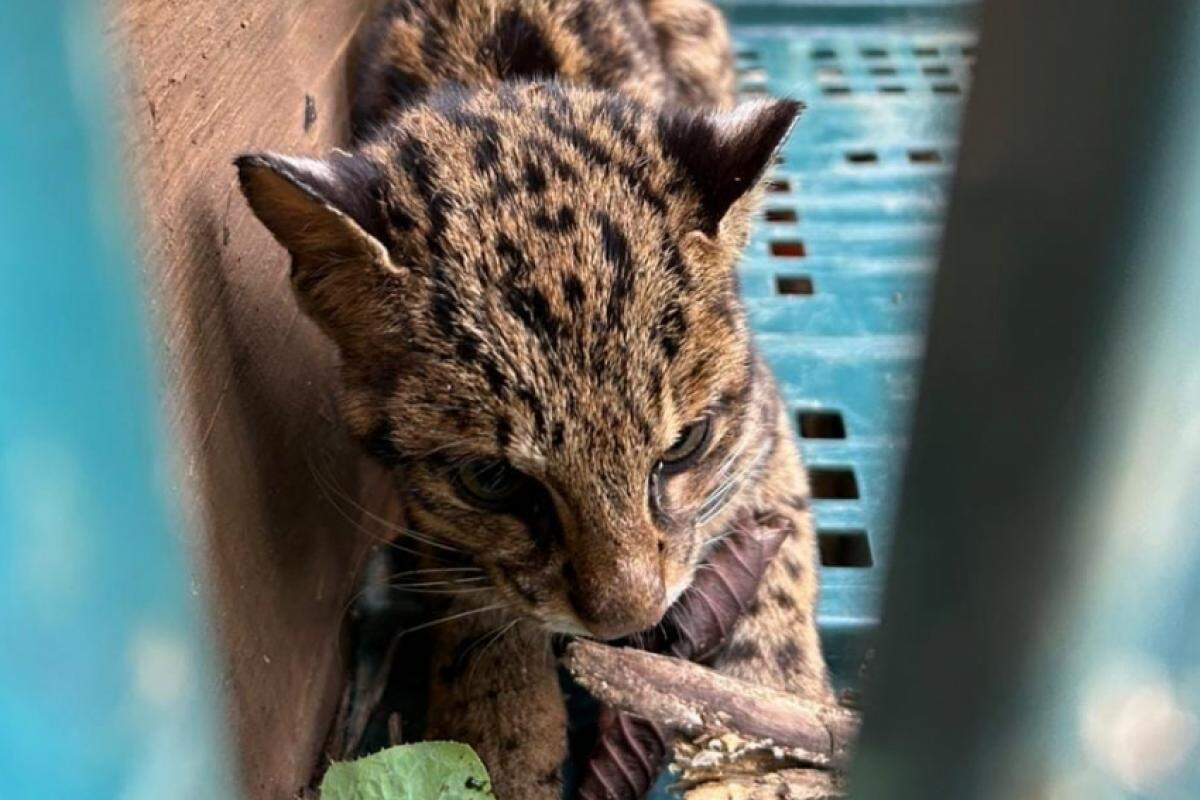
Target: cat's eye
489	484
690	445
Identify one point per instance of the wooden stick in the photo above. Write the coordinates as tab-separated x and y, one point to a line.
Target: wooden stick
694	700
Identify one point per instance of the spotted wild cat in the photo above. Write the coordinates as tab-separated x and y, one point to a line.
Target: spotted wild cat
527	261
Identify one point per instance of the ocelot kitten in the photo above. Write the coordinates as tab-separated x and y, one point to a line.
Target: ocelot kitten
527	262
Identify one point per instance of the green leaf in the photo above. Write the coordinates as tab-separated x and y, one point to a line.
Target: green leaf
422	771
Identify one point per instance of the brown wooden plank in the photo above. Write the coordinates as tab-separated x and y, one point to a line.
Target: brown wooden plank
248	381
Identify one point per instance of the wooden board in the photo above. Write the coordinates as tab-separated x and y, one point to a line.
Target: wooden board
248	382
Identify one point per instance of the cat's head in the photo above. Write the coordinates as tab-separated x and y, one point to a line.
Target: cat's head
534	296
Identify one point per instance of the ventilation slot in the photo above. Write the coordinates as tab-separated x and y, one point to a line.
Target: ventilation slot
925	52
836	90
892	89
780	215
849	548
924	156
873	52
778	186
794	284
937	70
884	71
862	157
833	483
788	248
821	425
946	88
824	54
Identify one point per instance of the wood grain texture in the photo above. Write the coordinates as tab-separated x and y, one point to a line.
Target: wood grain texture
248	382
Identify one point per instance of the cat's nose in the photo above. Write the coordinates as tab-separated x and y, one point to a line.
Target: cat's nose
617	602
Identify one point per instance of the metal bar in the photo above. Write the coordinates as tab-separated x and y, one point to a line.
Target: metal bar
1040	634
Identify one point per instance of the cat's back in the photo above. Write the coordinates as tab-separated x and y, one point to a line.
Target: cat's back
673	50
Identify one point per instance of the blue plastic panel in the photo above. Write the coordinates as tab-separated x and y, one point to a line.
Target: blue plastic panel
837	275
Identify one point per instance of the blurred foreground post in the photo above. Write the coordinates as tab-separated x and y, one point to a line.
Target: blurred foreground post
103	690
1041	631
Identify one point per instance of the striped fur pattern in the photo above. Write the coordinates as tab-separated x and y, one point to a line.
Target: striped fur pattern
527	263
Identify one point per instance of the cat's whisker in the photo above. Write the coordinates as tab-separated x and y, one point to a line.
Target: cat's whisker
452	617
437	571
358	526
389	525
502	630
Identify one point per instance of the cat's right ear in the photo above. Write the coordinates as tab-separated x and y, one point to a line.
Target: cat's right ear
320	210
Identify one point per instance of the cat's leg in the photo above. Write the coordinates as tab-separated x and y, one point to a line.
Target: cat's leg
495	686
694	43
775	642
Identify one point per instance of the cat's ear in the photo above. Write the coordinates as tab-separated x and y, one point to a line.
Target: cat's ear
321	211
725	154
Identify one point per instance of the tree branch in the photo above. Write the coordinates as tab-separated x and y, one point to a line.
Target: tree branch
697	701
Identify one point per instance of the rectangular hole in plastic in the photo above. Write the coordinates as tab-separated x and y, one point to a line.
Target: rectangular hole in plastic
935	70
821	424
892	88
862	157
838	89
780	215
778	159
924	156
788	248
778	186
925	52
873	52
849	548
794	284
884	71
946	88
833	483
824	54
748	55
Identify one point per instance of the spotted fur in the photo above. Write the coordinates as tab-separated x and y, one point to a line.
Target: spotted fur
528	257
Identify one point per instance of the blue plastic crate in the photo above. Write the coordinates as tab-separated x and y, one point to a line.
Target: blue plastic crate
837	276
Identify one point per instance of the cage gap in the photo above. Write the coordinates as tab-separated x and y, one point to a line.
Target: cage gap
794	285
788	248
821	424
833	483
780	215
845	548
862	157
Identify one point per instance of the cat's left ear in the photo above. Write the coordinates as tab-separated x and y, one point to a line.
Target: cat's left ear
726	154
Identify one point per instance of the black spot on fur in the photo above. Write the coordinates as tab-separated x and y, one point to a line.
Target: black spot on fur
616	251
519	50
535	178
514	258
561	222
532	308
783	599
534	404
573	292
670	330
559	436
741	650
787	657
503	434
792	568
